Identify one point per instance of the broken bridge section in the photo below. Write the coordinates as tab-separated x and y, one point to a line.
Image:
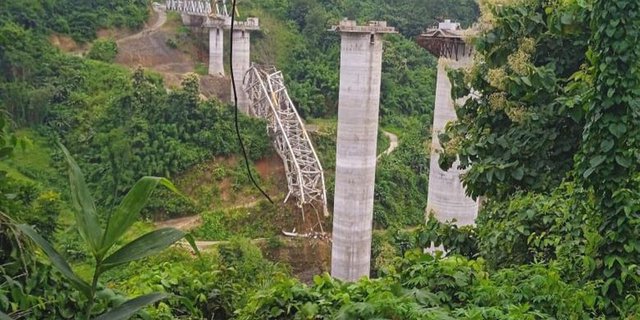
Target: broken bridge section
192	7
270	100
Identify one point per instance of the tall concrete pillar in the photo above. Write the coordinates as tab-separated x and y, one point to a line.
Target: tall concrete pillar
358	106
216	51
241	63
241	38
446	196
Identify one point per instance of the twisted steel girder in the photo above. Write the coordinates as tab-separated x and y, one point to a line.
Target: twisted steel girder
270	100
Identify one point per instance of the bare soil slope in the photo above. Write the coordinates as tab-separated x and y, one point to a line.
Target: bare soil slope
149	49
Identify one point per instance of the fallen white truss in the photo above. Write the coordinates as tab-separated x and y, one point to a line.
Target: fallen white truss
270	100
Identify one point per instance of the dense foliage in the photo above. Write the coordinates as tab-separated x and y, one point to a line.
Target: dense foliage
520	130
79	19
101	241
421	286
550	134
402	177
146	131
609	158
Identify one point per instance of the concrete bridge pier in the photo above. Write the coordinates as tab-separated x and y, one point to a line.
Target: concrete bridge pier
191	20
216	51
447	197
186	19
241	38
358	108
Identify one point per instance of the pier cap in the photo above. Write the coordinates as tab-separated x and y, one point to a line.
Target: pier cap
350	26
220	21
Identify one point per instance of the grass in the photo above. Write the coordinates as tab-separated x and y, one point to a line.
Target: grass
254	222
201	69
33	164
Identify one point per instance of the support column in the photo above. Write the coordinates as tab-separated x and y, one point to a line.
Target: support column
186	19
446	197
241	38
241	63
358	106
216	51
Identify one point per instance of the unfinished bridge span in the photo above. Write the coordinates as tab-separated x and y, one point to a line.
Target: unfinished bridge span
270	100
202	8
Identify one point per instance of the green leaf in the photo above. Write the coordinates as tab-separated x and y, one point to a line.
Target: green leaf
597	160
623	161
606	145
192	242
146	245
588	172
518	174
129	308
129	209
85	209
617	129
566	18
56	259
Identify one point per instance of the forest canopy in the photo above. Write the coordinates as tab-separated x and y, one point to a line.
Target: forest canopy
549	141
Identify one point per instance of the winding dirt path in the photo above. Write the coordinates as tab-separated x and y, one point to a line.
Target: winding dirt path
393	143
160	21
192	222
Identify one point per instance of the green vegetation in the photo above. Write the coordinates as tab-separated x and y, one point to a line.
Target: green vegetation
549	139
104	50
100	241
609	156
402	176
552	138
453	288
78	19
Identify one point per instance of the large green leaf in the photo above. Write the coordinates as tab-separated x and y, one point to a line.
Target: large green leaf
129	209
129	308
4	316
192	242
56	259
146	245
85	209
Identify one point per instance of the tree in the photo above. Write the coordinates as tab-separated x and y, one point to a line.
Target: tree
523	125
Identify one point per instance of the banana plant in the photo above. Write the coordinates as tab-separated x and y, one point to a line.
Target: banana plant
101	242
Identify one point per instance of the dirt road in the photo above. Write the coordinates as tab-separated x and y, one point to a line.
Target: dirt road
393	143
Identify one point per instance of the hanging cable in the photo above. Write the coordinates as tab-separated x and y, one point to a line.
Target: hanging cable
235	103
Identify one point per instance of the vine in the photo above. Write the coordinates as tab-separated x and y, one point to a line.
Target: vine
609	158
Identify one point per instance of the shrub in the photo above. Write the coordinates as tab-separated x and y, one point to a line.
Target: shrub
427	287
103	50
535	227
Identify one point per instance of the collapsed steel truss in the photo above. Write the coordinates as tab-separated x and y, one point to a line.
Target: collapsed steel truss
204	8
270	100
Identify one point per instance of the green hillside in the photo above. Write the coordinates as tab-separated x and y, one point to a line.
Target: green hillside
549	141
